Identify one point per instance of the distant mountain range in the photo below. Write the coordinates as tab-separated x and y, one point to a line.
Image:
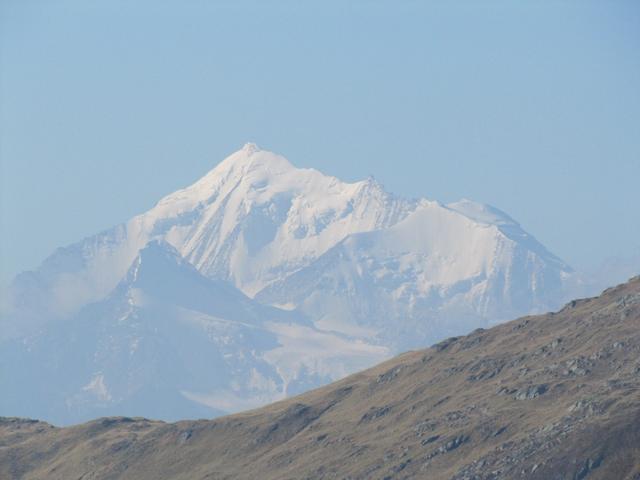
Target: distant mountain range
547	397
258	281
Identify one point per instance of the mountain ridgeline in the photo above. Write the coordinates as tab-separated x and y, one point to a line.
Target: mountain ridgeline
549	397
259	281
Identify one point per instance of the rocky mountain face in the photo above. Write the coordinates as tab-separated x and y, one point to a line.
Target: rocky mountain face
547	397
357	272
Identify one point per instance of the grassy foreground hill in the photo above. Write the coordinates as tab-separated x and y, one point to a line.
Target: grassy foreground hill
554	396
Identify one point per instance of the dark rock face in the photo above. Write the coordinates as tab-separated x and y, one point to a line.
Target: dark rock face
552	397
453	444
530	392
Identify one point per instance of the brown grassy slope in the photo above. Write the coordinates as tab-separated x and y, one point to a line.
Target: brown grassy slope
547	397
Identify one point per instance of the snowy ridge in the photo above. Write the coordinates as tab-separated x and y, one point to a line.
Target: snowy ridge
168	342
435	273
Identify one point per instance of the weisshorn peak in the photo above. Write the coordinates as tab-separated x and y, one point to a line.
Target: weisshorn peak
368	272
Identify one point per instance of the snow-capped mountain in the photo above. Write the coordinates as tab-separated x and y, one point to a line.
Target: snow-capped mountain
361	272
170	343
441	271
253	219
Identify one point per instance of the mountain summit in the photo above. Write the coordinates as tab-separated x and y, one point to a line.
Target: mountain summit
357	263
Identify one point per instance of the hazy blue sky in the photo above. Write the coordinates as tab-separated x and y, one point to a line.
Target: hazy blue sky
534	107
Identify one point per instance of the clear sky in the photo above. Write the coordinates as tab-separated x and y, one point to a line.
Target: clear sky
533	107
